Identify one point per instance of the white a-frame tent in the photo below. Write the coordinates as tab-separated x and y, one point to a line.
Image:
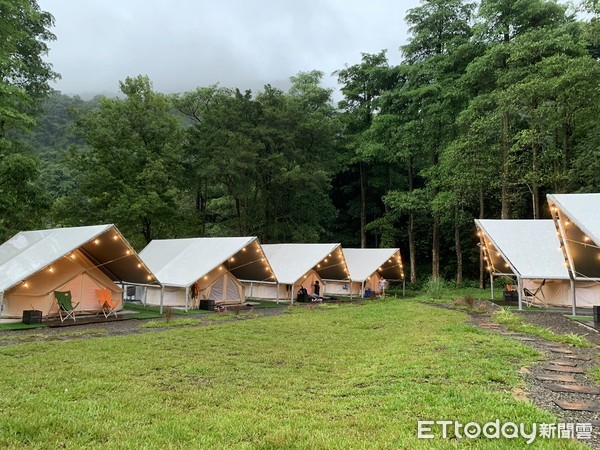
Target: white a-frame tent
367	267
34	264
191	270
296	265
577	221
530	251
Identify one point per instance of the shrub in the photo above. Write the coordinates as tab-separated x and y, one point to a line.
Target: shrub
435	287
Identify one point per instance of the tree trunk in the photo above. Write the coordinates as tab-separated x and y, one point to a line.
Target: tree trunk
435	250
363	206
457	245
147	230
535	188
481	263
505	168
565	156
411	227
238	213
411	248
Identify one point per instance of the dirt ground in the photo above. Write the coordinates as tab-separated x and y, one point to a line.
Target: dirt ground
116	328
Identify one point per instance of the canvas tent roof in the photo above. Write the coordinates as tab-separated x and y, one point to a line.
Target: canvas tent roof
363	262
531	247
583	210
291	261
577	216
30	251
182	262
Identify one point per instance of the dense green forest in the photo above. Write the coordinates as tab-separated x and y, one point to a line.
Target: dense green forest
494	105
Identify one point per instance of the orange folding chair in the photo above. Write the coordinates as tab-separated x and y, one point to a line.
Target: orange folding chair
107	305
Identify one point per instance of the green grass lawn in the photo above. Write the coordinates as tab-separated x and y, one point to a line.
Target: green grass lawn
349	376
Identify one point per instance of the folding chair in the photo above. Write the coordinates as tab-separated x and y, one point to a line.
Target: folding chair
535	297
107	306
65	307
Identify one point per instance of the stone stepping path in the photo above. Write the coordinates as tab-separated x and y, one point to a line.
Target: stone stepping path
564	369
574	388
557	377
578	406
526	339
559	362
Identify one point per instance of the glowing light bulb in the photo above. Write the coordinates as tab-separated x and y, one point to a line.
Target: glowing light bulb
97	241
139	265
115	237
244	249
232	259
51	269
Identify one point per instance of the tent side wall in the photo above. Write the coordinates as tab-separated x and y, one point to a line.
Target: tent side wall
83	288
219	285
559	293
342	288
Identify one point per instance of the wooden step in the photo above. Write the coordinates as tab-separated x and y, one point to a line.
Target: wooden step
573	388
578	406
564	369
556	377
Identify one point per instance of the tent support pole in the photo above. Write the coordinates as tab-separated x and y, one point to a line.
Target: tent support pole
162	297
362	289
145	295
492	284
277	293
574	297
187	298
520	288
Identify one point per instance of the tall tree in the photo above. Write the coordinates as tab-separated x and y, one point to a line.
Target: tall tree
24	77
440	30
129	174
362	85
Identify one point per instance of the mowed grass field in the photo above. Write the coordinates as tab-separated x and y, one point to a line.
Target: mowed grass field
349	376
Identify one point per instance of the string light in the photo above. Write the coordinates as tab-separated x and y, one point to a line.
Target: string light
51	269
139	265
97	241
232	259
244	249
25	284
115	237
128	252
149	277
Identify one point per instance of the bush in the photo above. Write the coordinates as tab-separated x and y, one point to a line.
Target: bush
435	287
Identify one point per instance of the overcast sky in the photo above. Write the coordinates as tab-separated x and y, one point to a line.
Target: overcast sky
183	44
